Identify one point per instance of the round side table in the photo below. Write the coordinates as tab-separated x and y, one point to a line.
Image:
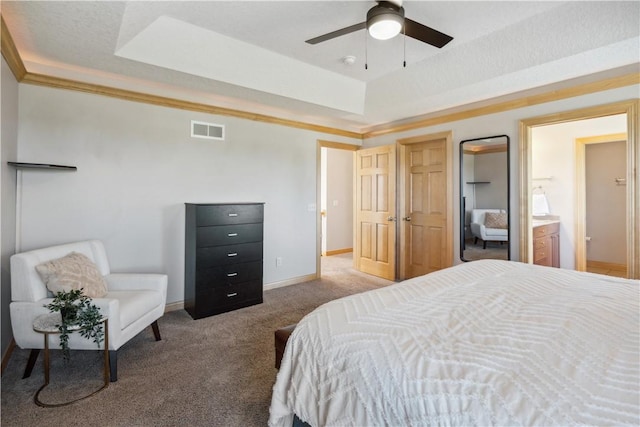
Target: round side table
47	324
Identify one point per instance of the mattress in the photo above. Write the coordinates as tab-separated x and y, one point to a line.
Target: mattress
483	343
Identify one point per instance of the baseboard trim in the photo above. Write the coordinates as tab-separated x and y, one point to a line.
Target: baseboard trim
606	265
289	282
7	355
339	251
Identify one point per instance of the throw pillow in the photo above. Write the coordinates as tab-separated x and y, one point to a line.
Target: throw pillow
73	271
495	220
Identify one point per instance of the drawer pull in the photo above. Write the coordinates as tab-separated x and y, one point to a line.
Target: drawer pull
233	254
233	214
232	274
232	295
232	234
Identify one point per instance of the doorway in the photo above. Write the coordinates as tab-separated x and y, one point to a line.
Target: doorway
564	177
335	201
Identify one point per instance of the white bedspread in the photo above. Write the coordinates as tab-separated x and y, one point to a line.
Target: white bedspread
483	343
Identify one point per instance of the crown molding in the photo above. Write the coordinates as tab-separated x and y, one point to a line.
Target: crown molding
10	53
128	95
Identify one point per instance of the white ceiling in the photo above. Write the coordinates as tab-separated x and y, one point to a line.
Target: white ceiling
251	55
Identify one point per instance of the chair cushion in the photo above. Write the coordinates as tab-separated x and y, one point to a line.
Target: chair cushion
496	233
135	303
70	272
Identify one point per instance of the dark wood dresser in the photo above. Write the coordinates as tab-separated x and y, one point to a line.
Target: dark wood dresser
546	244
223	257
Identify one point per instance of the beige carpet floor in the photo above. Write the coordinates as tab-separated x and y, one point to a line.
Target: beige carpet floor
217	371
494	250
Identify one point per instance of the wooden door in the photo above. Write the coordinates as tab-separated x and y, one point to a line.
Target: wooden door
375	211
425	245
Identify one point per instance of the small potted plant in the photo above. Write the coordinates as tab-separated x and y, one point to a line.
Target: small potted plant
78	314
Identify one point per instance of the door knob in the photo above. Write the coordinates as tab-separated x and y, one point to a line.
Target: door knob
407	218
391	219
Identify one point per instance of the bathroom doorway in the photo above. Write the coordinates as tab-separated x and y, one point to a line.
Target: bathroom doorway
559	181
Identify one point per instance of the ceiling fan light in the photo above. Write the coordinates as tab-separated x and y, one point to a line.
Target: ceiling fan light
385	29
385	21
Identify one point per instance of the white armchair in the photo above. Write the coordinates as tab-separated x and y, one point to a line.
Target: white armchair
480	231
133	301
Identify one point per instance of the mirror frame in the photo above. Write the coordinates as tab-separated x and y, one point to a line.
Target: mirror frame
461	192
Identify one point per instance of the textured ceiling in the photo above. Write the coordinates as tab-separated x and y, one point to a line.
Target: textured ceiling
252	56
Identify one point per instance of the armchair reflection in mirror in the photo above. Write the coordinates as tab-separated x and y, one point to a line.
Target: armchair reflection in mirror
484	198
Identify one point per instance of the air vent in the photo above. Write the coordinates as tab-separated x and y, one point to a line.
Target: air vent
207	130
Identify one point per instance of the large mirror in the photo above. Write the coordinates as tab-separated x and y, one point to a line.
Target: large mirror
484	198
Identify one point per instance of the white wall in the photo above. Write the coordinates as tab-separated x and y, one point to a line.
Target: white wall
491	167
339	199
137	166
8	152
497	124
553	155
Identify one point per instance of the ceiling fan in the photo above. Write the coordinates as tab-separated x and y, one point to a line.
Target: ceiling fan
385	21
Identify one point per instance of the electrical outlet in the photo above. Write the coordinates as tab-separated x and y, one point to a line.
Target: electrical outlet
279	261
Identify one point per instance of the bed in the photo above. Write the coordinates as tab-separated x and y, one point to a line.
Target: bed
484	343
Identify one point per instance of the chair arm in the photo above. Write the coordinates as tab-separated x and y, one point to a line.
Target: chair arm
109	307
483	231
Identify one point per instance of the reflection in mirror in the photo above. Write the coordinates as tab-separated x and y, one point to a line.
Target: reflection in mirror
484	198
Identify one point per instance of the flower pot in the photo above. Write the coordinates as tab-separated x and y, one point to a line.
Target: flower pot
69	314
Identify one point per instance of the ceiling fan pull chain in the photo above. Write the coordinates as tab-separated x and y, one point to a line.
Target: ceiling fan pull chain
404	46
366	52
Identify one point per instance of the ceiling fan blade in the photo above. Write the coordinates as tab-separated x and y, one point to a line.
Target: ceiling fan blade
423	33
337	33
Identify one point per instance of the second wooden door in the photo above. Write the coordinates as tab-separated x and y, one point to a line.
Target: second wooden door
425	244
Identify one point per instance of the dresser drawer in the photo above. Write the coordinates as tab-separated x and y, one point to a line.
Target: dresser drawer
541	243
222	235
229	214
227	298
232	254
228	274
545	261
545	230
540	250
237	292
